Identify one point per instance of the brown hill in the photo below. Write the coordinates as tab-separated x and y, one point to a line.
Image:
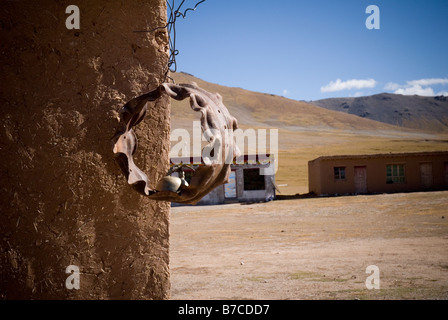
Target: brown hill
255	109
416	112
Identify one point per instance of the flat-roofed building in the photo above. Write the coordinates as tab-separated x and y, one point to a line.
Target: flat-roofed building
378	173
252	179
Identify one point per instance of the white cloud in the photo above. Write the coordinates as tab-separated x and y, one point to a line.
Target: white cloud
340	85
421	87
428	82
415	89
285	92
392	86
443	93
357	94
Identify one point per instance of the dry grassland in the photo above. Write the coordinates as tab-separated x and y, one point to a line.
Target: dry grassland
315	248
297	149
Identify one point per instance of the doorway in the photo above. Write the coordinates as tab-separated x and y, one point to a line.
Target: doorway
426	177
230	187
446	174
361	179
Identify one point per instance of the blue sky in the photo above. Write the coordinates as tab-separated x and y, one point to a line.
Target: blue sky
315	49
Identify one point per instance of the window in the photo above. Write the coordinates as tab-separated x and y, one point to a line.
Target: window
395	173
253	180
339	173
230	187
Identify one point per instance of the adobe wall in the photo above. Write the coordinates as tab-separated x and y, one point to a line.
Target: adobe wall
321	173
64	200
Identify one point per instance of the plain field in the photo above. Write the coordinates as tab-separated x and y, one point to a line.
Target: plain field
316	248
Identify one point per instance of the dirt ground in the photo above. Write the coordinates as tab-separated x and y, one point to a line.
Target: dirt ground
315	248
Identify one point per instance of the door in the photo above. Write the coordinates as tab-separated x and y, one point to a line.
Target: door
361	179
446	174
230	187
426	178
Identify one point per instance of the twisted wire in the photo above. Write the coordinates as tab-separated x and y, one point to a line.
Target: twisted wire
174	13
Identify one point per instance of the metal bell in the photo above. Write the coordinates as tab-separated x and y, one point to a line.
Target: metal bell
169	183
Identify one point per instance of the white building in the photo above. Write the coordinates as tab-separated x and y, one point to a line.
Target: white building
248	181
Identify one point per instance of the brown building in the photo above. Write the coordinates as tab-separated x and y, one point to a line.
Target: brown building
379	173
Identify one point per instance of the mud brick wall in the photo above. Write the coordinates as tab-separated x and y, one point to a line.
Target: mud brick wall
63	199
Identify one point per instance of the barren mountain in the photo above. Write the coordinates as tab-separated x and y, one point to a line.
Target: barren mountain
416	112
